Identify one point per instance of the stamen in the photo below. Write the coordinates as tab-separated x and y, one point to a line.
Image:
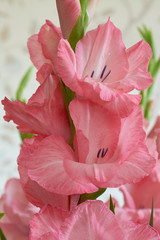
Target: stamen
92	74
103	153
98	153
106	75
103	71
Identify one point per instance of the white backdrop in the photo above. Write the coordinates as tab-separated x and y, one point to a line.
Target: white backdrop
19	19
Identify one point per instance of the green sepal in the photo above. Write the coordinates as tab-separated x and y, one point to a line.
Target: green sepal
112	206
25	135
79	28
23	84
2	237
1	215
151	217
91	196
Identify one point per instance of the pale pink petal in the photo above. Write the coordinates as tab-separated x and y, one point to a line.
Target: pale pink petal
143	192
36	53
44	72
67	64
68	11
138	76
12	233
91	220
43	46
44	113
134	231
139	216
47	223
49	37
45	166
18	211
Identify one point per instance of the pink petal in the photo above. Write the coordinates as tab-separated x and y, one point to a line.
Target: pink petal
139	231
138	76
91	220
18	211
46	224
44	72
36	53
99	126
45	166
100	47
67	21
43	46
139	216
143	192
12	233
44	113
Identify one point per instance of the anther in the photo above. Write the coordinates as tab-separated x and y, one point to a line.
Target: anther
102	152
106	75
92	74
98	153
103	71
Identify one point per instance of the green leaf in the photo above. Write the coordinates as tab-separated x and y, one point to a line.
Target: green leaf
23	84
151	217
1	215
146	34
153	68
79	28
91	196
2	237
112	206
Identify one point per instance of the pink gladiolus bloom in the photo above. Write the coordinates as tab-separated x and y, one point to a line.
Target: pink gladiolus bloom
36	194
18	212
91	220
45	112
69	11
108	152
103	68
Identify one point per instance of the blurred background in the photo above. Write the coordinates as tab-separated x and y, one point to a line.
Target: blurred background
19	19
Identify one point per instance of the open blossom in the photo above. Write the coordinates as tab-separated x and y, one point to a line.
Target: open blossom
102	67
44	113
88	221
138	197
36	194
108	152
17	211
